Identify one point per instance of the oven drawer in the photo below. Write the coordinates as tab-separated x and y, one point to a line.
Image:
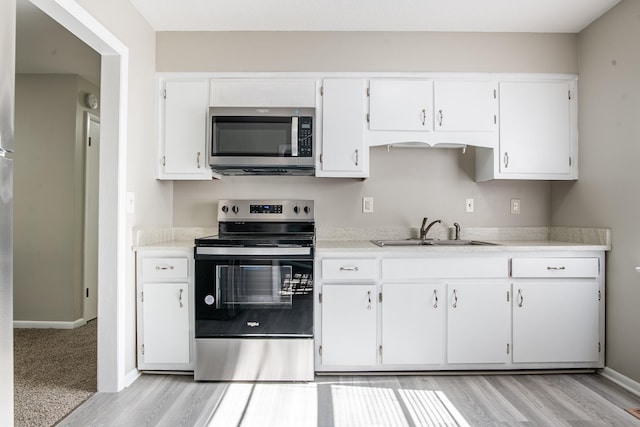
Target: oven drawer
164	268
555	267
349	268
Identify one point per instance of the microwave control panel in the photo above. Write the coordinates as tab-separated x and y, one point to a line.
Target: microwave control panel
305	138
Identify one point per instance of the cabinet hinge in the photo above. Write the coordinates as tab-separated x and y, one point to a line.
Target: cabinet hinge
320	157
599	295
164	94
320	351
141	296
599	348
569	160
495	119
368	118
495	94
142	346
321	90
320	297
87	293
369	91
508	348
380	297
508	296
380	349
569	94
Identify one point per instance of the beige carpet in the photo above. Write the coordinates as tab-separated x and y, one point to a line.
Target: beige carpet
55	371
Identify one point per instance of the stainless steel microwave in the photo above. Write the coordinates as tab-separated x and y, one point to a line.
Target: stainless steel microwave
261	141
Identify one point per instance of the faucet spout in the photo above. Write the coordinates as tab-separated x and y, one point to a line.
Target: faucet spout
457	232
437	221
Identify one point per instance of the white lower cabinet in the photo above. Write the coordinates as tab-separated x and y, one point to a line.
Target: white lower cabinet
349	333
413	323
478	323
164	308
466	312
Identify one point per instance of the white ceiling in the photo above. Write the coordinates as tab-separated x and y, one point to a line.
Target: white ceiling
539	16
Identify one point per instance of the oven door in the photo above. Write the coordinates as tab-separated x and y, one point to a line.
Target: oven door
257	296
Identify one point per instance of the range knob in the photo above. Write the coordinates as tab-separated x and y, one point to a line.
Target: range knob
307	210
225	209
234	209
296	209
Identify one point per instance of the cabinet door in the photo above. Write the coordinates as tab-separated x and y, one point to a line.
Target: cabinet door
185	124
349	325
166	322
535	128
478	323
555	321
401	105
343	119
413	323
465	106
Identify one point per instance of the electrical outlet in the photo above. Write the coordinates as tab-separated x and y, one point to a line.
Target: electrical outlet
367	205
515	206
469	205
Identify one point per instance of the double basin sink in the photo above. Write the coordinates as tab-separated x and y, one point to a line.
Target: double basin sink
430	242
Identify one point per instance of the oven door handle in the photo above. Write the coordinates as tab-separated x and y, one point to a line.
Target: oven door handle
252	251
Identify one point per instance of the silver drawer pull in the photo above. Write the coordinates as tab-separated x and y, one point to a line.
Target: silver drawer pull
180	298
164	267
555	268
349	269
435	298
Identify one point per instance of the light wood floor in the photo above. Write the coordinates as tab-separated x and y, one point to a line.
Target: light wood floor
442	400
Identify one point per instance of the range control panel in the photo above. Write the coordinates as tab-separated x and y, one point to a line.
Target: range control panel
265	210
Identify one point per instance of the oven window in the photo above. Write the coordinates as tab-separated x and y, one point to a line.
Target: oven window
257	286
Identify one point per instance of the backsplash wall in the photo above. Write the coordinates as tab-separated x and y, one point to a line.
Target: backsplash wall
407	184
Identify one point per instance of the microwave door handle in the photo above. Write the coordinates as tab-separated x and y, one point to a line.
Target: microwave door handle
294	136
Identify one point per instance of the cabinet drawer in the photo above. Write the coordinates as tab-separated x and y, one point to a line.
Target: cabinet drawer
555	267
356	268
164	268
444	268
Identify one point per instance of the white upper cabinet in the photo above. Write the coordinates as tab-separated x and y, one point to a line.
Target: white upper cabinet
405	105
538	132
183	125
465	106
454	112
263	93
343	112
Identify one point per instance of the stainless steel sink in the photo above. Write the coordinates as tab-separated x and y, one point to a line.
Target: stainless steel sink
430	242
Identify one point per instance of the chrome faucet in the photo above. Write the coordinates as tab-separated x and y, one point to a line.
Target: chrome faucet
423	230
457	232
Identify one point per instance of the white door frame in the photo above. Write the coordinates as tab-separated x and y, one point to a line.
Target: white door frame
89	260
111	230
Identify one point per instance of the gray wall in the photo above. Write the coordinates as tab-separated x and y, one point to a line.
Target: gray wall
406	184
607	192
49	197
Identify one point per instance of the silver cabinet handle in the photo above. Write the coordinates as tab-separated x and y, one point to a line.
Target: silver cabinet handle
369	300
435	298
440	117
180	298
424	117
164	267
198	160
520	298
506	159
455	299
349	269
357	157
555	268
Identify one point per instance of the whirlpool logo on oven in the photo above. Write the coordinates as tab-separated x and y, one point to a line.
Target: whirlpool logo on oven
253	324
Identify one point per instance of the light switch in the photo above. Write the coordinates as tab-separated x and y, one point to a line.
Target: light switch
367	205
515	206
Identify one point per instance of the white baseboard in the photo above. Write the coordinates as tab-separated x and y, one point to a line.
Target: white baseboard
622	380
37	324
130	377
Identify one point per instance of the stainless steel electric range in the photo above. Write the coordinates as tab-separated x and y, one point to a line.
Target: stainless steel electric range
254	293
